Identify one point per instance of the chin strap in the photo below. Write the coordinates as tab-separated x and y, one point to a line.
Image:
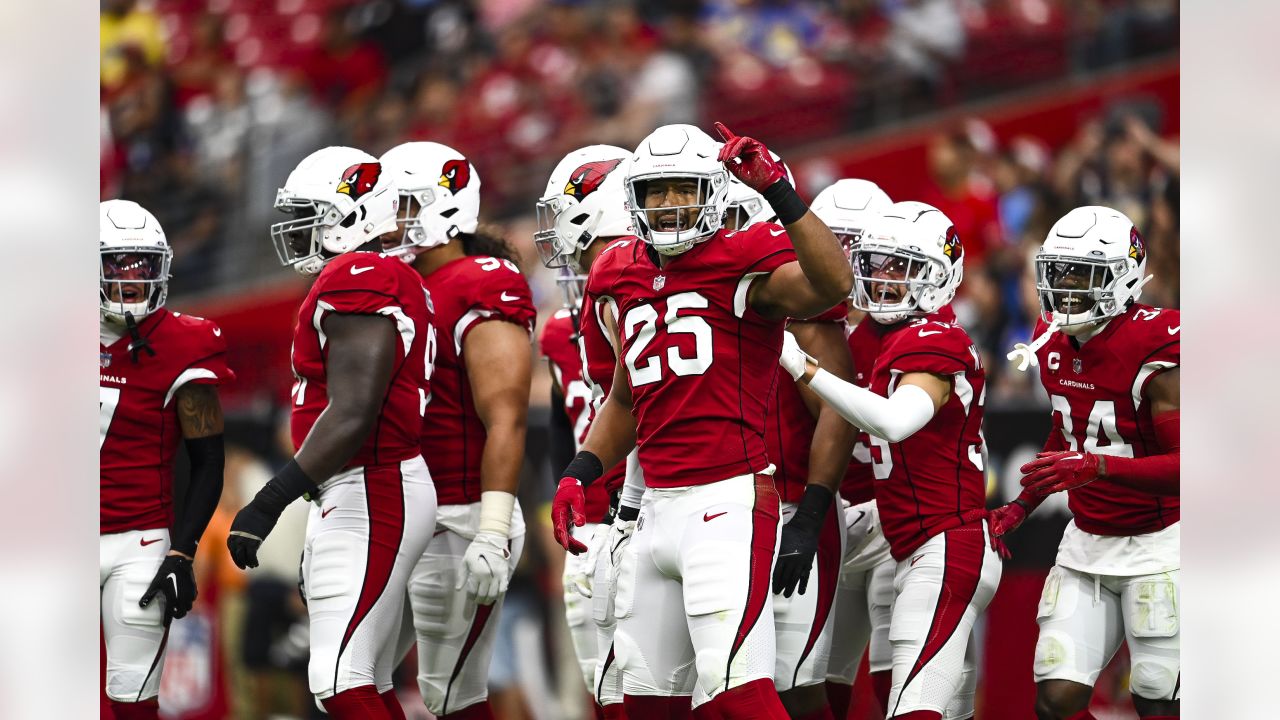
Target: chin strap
1025	355
137	343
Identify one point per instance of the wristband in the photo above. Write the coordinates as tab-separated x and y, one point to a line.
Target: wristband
785	201
289	484
813	505
496	507
585	468
627	513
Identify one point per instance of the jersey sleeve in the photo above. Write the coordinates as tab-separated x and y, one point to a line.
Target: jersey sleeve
555	341
931	347
1159	348
760	249
500	294
358	286
204	356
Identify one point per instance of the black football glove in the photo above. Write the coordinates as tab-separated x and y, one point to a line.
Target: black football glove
248	530
177	581
799	542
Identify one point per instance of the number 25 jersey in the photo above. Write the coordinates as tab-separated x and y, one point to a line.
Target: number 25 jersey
700	361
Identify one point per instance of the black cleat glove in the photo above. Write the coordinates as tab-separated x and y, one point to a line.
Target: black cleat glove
177	581
799	542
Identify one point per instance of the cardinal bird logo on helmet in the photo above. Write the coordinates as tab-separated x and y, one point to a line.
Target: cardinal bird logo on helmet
1137	248
952	247
588	177
359	179
455	175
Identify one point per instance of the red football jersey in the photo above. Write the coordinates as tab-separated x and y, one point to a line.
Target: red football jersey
789	427
700	361
926	482
599	362
1096	392
139	430
364	283
559	345
467	292
864	345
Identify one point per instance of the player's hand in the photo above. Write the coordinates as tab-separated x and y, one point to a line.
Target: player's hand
568	507
177	581
1006	518
793	359
248	530
749	160
795	556
488	563
616	540
1053	472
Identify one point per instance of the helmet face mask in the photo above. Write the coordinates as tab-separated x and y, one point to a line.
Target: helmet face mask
1076	292
1091	267
133	261
299	242
908	261
676	189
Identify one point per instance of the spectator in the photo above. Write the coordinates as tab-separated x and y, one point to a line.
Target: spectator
925	36
123	26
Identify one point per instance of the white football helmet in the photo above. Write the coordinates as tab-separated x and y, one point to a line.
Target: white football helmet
134	258
1092	265
444	188
584	200
340	198
678	152
908	262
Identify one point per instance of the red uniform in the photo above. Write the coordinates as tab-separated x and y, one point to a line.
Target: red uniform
790	426
925	483
367	284
139	429
558	343
466	292
1097	396
700	360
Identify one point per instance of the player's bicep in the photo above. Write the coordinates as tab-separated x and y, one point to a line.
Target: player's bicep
199	410
937	386
1163	391
360	359
786	292
499	368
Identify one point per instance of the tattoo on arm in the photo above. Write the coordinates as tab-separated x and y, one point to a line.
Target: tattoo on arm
199	411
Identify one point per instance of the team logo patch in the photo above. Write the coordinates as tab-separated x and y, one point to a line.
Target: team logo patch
359	179
952	247
1137	248
589	177
455	175
104	359
659	282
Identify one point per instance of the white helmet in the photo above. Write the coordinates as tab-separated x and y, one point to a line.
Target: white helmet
670	152
444	187
847	206
911	252
340	198
584	200
746	207
134	259
1091	267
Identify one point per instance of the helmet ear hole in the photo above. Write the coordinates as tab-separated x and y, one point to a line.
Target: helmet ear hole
579	218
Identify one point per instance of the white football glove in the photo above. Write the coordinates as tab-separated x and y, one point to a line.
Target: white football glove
585	567
619	535
793	358
488	566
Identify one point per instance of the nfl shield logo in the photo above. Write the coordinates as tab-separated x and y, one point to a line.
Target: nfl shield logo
1077	366
104	359
658	282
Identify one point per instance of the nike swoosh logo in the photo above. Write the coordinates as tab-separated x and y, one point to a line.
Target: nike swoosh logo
325	513
513	298
776	234
915	559
709	518
1174	330
145	542
356	271
927	333
217	332
861	514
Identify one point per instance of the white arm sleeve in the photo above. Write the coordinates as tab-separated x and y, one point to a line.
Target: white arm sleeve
633	486
894	418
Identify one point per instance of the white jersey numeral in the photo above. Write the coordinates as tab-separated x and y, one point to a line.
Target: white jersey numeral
1102	422
489	264
641	323
575	392
429	356
108	399
881	457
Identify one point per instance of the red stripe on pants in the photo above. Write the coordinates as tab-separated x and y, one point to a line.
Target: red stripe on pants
829	559
764	544
962	569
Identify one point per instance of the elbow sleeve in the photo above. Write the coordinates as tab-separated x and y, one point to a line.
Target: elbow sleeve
894	418
203	493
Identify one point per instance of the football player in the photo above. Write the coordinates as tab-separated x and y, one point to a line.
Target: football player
1110	367
159	372
474	431
701	313
865	590
582	212
361	356
923	416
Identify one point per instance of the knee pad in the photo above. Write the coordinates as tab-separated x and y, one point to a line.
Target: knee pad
1054	650
131	613
630	660
1153	678
712	585
711	665
329	569
575	609
431	597
432	696
1151	608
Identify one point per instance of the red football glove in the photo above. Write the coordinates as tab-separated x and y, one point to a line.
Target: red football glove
568	506
749	160
1053	472
996	543
1006	518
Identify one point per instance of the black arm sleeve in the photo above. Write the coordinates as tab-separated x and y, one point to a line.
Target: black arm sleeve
203	492
560	433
